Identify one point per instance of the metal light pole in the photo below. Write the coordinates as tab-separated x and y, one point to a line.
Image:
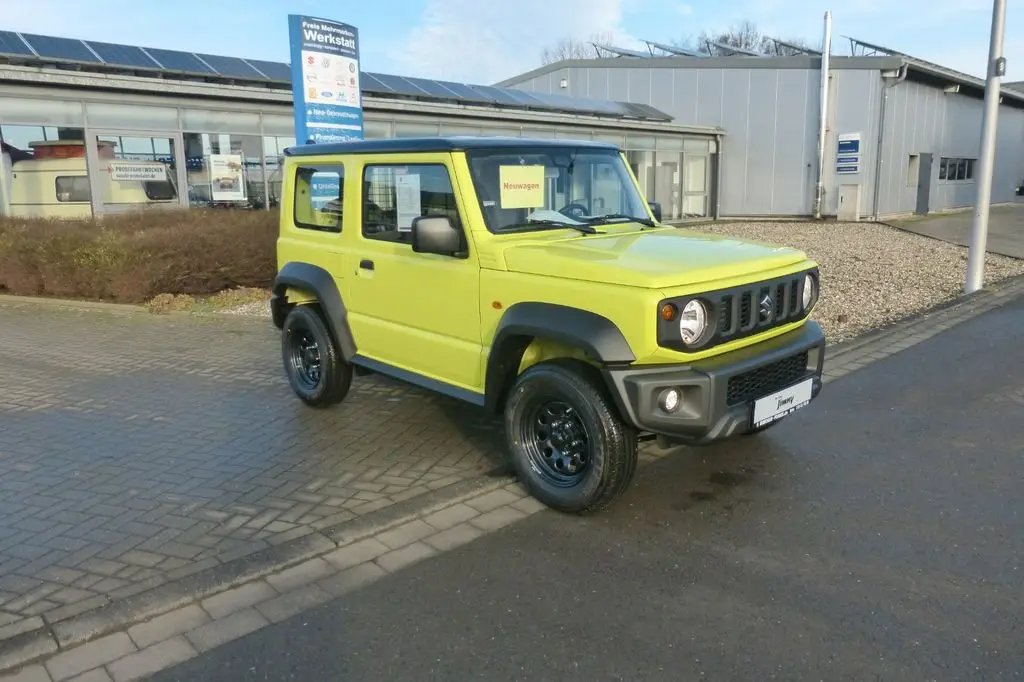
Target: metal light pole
979	228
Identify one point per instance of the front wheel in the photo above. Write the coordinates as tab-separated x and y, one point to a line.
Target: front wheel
316	371
568	446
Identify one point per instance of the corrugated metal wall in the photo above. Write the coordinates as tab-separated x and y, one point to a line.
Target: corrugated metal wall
924	119
770	119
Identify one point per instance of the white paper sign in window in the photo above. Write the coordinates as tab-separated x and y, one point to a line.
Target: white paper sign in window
408	200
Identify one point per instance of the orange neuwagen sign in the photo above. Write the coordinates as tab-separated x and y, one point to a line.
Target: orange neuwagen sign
521	186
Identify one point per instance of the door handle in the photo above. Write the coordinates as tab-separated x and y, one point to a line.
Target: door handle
366	264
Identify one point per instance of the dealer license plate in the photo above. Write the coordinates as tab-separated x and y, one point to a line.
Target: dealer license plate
779	404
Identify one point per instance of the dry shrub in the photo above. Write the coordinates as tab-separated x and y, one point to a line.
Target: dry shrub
131	258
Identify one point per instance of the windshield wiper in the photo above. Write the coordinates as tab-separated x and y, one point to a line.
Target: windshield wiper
585	229
608	217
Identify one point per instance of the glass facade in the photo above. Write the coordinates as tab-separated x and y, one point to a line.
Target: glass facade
68	158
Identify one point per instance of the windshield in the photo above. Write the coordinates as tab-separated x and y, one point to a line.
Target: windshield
533	188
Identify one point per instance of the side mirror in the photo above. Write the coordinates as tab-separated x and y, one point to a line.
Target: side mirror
435	234
655	209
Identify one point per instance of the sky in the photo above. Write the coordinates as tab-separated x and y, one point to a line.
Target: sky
485	41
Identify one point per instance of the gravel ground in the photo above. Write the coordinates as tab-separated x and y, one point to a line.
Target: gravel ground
872	275
253	308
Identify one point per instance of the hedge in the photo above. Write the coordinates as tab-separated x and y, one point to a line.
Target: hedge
130	258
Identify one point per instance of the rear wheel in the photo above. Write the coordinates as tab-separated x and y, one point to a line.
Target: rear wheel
568	446
318	374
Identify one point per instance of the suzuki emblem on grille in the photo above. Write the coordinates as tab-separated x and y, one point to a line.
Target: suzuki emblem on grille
766	308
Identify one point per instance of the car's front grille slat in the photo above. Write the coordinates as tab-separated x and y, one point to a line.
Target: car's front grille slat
757	307
766	379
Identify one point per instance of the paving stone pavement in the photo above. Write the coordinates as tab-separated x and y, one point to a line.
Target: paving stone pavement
200	621
138	449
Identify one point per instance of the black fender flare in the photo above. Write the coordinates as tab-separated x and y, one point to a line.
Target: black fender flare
317	281
598	336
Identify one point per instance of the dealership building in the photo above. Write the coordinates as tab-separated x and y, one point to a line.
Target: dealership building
93	102
902	134
706	136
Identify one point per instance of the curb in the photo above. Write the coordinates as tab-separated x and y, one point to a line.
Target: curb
74	303
52	638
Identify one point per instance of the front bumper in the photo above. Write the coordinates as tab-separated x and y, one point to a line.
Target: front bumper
717	393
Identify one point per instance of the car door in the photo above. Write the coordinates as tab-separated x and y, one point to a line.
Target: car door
416	312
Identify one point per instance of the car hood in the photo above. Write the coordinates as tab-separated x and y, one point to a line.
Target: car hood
655	259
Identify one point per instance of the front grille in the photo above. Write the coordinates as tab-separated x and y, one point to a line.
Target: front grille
766	379
758	307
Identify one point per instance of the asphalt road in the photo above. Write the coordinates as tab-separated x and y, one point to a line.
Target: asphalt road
875	535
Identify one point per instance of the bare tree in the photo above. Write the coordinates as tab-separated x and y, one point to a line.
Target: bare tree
744	35
571	48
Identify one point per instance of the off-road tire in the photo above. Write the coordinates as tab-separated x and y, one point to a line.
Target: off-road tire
335	375
612	451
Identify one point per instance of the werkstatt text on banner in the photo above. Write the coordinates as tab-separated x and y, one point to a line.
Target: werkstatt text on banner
325	80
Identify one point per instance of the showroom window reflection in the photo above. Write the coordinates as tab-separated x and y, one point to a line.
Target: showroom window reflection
273	150
44	172
224	171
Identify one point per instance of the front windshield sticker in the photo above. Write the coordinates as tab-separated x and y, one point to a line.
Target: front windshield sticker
521	186
408	200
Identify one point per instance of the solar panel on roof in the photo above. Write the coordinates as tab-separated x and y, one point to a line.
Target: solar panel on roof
10	43
369	82
466	93
122	55
432	88
275	71
399	85
496	94
232	67
522	96
548	101
60	48
174	60
649	112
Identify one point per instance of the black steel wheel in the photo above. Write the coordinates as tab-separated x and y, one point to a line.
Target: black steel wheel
318	374
555	439
567	443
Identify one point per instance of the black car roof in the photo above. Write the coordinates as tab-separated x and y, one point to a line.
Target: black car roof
439	144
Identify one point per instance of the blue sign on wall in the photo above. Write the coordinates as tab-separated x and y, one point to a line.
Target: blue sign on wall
325	80
848	153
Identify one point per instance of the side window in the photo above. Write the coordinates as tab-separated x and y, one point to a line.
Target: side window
394	195
72	188
319	192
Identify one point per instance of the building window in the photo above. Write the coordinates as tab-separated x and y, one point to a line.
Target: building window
72	188
956	168
225	170
273	159
395	195
319	194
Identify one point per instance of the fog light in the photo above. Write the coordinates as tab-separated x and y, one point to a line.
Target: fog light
669	399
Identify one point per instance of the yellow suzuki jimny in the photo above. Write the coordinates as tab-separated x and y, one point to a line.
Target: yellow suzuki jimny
531	278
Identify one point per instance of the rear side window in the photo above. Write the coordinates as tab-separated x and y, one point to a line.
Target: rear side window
319	195
71	188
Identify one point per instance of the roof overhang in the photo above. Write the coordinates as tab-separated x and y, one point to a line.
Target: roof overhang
170	92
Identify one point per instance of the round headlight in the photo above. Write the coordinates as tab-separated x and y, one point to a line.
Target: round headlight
693	320
810	292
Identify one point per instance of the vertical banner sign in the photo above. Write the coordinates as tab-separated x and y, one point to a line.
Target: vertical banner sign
325	80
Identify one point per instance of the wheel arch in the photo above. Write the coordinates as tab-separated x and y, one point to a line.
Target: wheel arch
319	284
600	341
